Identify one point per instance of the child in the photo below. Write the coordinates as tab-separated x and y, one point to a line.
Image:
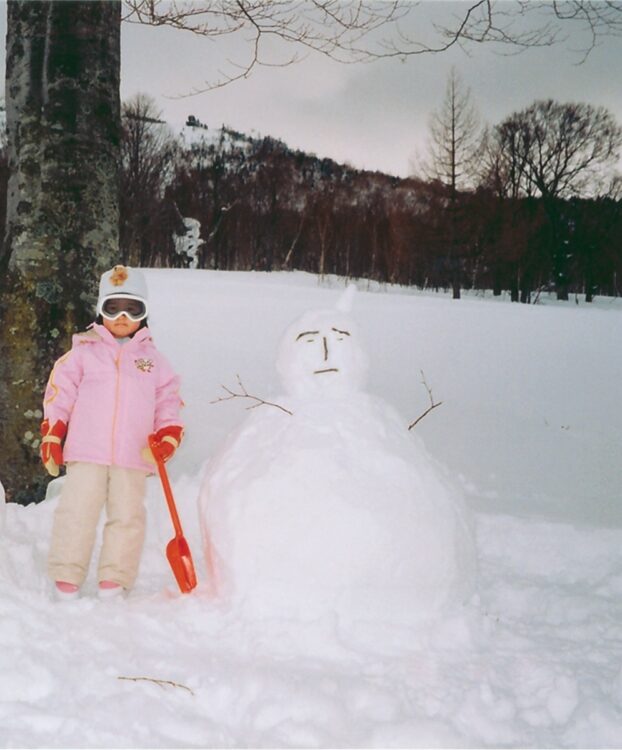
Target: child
104	398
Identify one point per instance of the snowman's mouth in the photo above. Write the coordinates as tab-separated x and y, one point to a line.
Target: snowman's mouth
328	369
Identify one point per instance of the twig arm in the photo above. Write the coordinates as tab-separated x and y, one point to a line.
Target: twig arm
433	403
245	394
161	683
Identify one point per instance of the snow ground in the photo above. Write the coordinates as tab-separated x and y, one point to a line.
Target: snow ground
530	429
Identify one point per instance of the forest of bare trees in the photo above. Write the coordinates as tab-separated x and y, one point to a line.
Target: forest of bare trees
528	209
535	214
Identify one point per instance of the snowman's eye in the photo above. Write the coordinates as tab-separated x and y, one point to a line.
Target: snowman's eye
305	334
340	334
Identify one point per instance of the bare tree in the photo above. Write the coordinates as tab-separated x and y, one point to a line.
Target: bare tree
454	137
503	163
557	151
455	142
148	151
562	149
148	144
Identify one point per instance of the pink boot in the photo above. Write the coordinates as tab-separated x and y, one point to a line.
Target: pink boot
66	591
109	589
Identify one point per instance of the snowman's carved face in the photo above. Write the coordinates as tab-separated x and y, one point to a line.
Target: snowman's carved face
321	351
326	348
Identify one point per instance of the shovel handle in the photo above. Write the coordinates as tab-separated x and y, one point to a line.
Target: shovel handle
166	486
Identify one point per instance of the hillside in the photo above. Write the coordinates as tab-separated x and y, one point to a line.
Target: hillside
263	206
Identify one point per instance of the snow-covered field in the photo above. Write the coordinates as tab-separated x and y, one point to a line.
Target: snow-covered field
530	433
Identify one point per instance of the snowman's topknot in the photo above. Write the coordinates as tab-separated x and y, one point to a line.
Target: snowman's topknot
346	300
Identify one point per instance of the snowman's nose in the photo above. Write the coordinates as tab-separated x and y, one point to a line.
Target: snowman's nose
325	348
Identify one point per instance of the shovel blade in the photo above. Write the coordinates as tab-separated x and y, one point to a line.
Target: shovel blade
180	560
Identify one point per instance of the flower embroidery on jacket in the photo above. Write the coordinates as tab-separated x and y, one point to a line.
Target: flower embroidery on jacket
144	365
119	276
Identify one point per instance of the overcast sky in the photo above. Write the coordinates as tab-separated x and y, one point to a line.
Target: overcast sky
372	116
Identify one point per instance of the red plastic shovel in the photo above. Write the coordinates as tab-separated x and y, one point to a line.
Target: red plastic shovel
177	550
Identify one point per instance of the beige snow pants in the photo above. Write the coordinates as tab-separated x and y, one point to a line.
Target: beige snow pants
87	489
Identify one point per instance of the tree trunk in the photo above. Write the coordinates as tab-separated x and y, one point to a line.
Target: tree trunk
514	288
455	285
63	123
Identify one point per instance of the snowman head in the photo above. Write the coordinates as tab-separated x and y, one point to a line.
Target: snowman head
321	353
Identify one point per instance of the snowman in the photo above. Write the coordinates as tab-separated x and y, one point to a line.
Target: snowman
328	505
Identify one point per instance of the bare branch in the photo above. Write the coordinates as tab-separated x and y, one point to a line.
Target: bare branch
244	394
348	32
161	683
538	23
433	404
554	149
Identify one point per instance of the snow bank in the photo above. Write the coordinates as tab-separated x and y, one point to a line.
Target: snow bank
533	661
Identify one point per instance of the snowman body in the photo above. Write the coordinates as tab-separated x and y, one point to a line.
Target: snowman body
336	507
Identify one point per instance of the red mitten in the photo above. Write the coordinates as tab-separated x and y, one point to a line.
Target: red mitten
167	440
51	442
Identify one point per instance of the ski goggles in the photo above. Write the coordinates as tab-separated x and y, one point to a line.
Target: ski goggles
115	306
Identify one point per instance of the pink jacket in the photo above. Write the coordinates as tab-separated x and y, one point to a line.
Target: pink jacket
112	396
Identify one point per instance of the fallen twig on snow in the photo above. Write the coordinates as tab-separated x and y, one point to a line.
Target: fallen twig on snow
433	404
161	683
245	394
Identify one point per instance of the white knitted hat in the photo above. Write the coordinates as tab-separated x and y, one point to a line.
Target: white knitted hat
122	282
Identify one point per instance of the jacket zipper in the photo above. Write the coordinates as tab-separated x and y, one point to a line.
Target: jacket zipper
117	363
